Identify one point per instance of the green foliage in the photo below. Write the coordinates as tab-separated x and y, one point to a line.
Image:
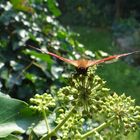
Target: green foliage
97	13
53	8
22	70
121	70
126	27
95	39
125	112
22	5
88	12
15	117
10	137
80	110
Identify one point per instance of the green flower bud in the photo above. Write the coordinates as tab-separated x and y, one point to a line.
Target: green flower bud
42	102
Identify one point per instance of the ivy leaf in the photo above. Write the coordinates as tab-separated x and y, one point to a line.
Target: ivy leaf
53	7
40	128
37	55
15	116
10	137
13	80
22	5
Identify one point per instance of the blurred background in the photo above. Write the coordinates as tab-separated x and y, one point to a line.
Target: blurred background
111	26
89	29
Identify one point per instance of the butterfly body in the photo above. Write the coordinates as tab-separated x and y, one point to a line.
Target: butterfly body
82	63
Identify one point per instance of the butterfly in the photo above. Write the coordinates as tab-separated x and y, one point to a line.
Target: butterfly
83	64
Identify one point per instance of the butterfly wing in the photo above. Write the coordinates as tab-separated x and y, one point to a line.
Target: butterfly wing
84	63
95	62
72	62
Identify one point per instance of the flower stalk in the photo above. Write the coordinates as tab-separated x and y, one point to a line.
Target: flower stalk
53	132
46	121
98	129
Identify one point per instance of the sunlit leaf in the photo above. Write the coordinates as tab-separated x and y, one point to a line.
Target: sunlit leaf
56	71
10	137
40	56
53	8
31	77
16	66
22	5
15	116
40	128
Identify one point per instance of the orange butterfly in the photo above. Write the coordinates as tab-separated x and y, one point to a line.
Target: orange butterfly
83	64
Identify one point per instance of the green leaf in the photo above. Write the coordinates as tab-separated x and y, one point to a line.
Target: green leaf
40	128
31	77
53	8
13	80
16	66
22	5
10	137
15	116
41	56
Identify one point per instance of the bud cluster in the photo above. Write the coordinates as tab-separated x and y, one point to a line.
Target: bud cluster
42	102
124	111
85	91
89	94
72	128
86	99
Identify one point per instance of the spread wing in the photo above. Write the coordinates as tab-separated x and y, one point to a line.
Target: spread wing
72	62
95	62
85	63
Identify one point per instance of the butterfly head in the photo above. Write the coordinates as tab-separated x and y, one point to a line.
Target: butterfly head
81	70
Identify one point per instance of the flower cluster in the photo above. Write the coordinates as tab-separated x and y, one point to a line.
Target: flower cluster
86	108
125	113
42	102
72	128
85	91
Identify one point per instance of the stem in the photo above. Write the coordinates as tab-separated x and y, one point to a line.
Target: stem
46	121
47	136
99	128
